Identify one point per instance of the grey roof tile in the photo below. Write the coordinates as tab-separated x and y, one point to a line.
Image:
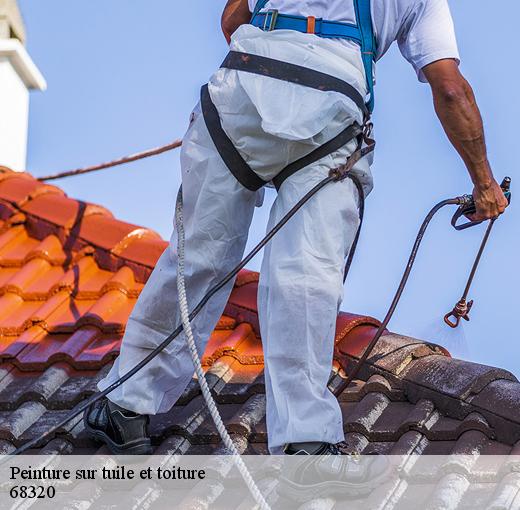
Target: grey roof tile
354	443
410	443
80	385
14	423
504	415
454	378
251	413
448	492
361	416
506	492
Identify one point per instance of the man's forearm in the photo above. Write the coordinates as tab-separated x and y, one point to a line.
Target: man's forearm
460	117
235	13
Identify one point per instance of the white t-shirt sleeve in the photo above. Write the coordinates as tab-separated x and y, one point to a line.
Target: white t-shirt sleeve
428	35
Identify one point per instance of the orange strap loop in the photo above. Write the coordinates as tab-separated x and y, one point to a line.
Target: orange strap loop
311	25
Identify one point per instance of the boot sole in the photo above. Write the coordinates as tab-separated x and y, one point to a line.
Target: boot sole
303	493
137	447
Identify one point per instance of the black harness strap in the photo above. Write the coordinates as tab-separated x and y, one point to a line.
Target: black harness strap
331	146
294	74
231	157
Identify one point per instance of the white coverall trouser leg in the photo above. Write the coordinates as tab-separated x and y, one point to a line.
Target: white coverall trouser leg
300	290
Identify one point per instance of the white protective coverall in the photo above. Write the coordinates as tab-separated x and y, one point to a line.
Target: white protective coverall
271	123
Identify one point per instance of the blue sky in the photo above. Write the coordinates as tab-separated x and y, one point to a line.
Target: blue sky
123	76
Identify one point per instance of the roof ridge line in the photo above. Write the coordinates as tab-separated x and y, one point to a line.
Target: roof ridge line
452	405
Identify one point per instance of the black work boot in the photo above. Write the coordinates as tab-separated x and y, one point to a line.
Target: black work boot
324	472
123	431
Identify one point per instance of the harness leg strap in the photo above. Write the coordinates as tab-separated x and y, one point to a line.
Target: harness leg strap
229	154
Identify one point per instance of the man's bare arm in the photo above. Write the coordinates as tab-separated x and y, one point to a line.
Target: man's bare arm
458	112
235	13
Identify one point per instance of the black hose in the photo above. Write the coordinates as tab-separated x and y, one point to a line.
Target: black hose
345	383
353	248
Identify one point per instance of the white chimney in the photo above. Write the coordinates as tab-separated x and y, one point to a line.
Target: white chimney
18	75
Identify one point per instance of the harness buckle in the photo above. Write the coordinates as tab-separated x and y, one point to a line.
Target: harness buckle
270	20
368	128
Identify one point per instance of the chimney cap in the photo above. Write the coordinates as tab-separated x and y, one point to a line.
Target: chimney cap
11	21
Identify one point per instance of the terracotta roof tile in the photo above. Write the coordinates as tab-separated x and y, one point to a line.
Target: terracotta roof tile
17	188
58	209
15	246
69	276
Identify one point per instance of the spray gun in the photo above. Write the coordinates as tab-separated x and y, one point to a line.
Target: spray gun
463	307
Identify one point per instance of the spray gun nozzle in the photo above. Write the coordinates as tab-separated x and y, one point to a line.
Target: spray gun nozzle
460	311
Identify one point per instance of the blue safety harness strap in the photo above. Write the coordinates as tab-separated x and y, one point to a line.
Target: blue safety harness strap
368	44
362	32
322	28
259	6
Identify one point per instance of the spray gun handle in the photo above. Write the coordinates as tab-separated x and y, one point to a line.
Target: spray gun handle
468	206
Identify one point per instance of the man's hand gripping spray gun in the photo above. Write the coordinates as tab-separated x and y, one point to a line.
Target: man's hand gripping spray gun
463	307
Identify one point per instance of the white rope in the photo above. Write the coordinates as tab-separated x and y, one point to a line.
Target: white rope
206	393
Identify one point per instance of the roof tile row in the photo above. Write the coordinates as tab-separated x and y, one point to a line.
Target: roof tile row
45	210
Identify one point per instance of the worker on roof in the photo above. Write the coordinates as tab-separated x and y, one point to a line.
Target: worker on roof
256	118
